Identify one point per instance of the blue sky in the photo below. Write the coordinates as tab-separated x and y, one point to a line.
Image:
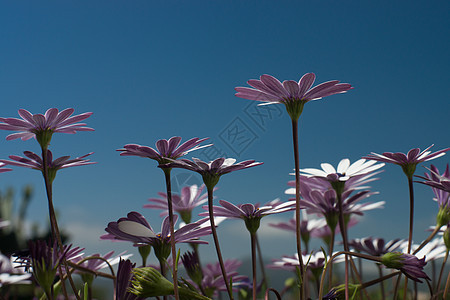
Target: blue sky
154	69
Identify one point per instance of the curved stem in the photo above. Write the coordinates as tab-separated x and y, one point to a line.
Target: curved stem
447	285
297	205
216	241
253	242
380	272
172	232
266	297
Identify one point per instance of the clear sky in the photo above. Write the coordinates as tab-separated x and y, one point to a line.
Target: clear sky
154	69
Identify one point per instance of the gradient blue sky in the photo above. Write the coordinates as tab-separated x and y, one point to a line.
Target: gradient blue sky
154	69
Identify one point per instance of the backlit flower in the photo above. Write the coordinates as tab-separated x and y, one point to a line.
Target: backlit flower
290	93
212	171
409	161
213	280
34	161
250	213
124	278
164	149
42	127
136	229
189	198
344	170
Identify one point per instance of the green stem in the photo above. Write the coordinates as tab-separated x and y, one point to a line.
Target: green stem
54	224
411	223
216	241
333	235
441	272
172	232
261	262
253	246
297	205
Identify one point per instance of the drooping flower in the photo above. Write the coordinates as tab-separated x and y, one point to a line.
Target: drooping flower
34	161
408	264
212	171
136	229
164	149
375	246
409	161
189	198
433	250
290	93
42	127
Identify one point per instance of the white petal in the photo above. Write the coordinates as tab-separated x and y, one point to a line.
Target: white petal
343	166
329	169
135	228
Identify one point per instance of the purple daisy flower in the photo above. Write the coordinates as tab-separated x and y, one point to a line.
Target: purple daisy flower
212	171
164	149
290	93
440	184
42	127
409	161
408	264
212	276
96	264
189	198
316	261
375	246
250	213
34	161
136	229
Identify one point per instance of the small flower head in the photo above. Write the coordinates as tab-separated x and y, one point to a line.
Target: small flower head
409	161
250	213
190	197
292	94
34	161
165	149
42	127
408	264
192	265
212	171
124	277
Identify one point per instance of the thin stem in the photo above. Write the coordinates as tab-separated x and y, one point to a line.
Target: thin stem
253	246
333	236
344	239
297	205
411	212
447	284
216	241
411	223
261	262
172	232
435	231
441	272
54	224
266	297
162	265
